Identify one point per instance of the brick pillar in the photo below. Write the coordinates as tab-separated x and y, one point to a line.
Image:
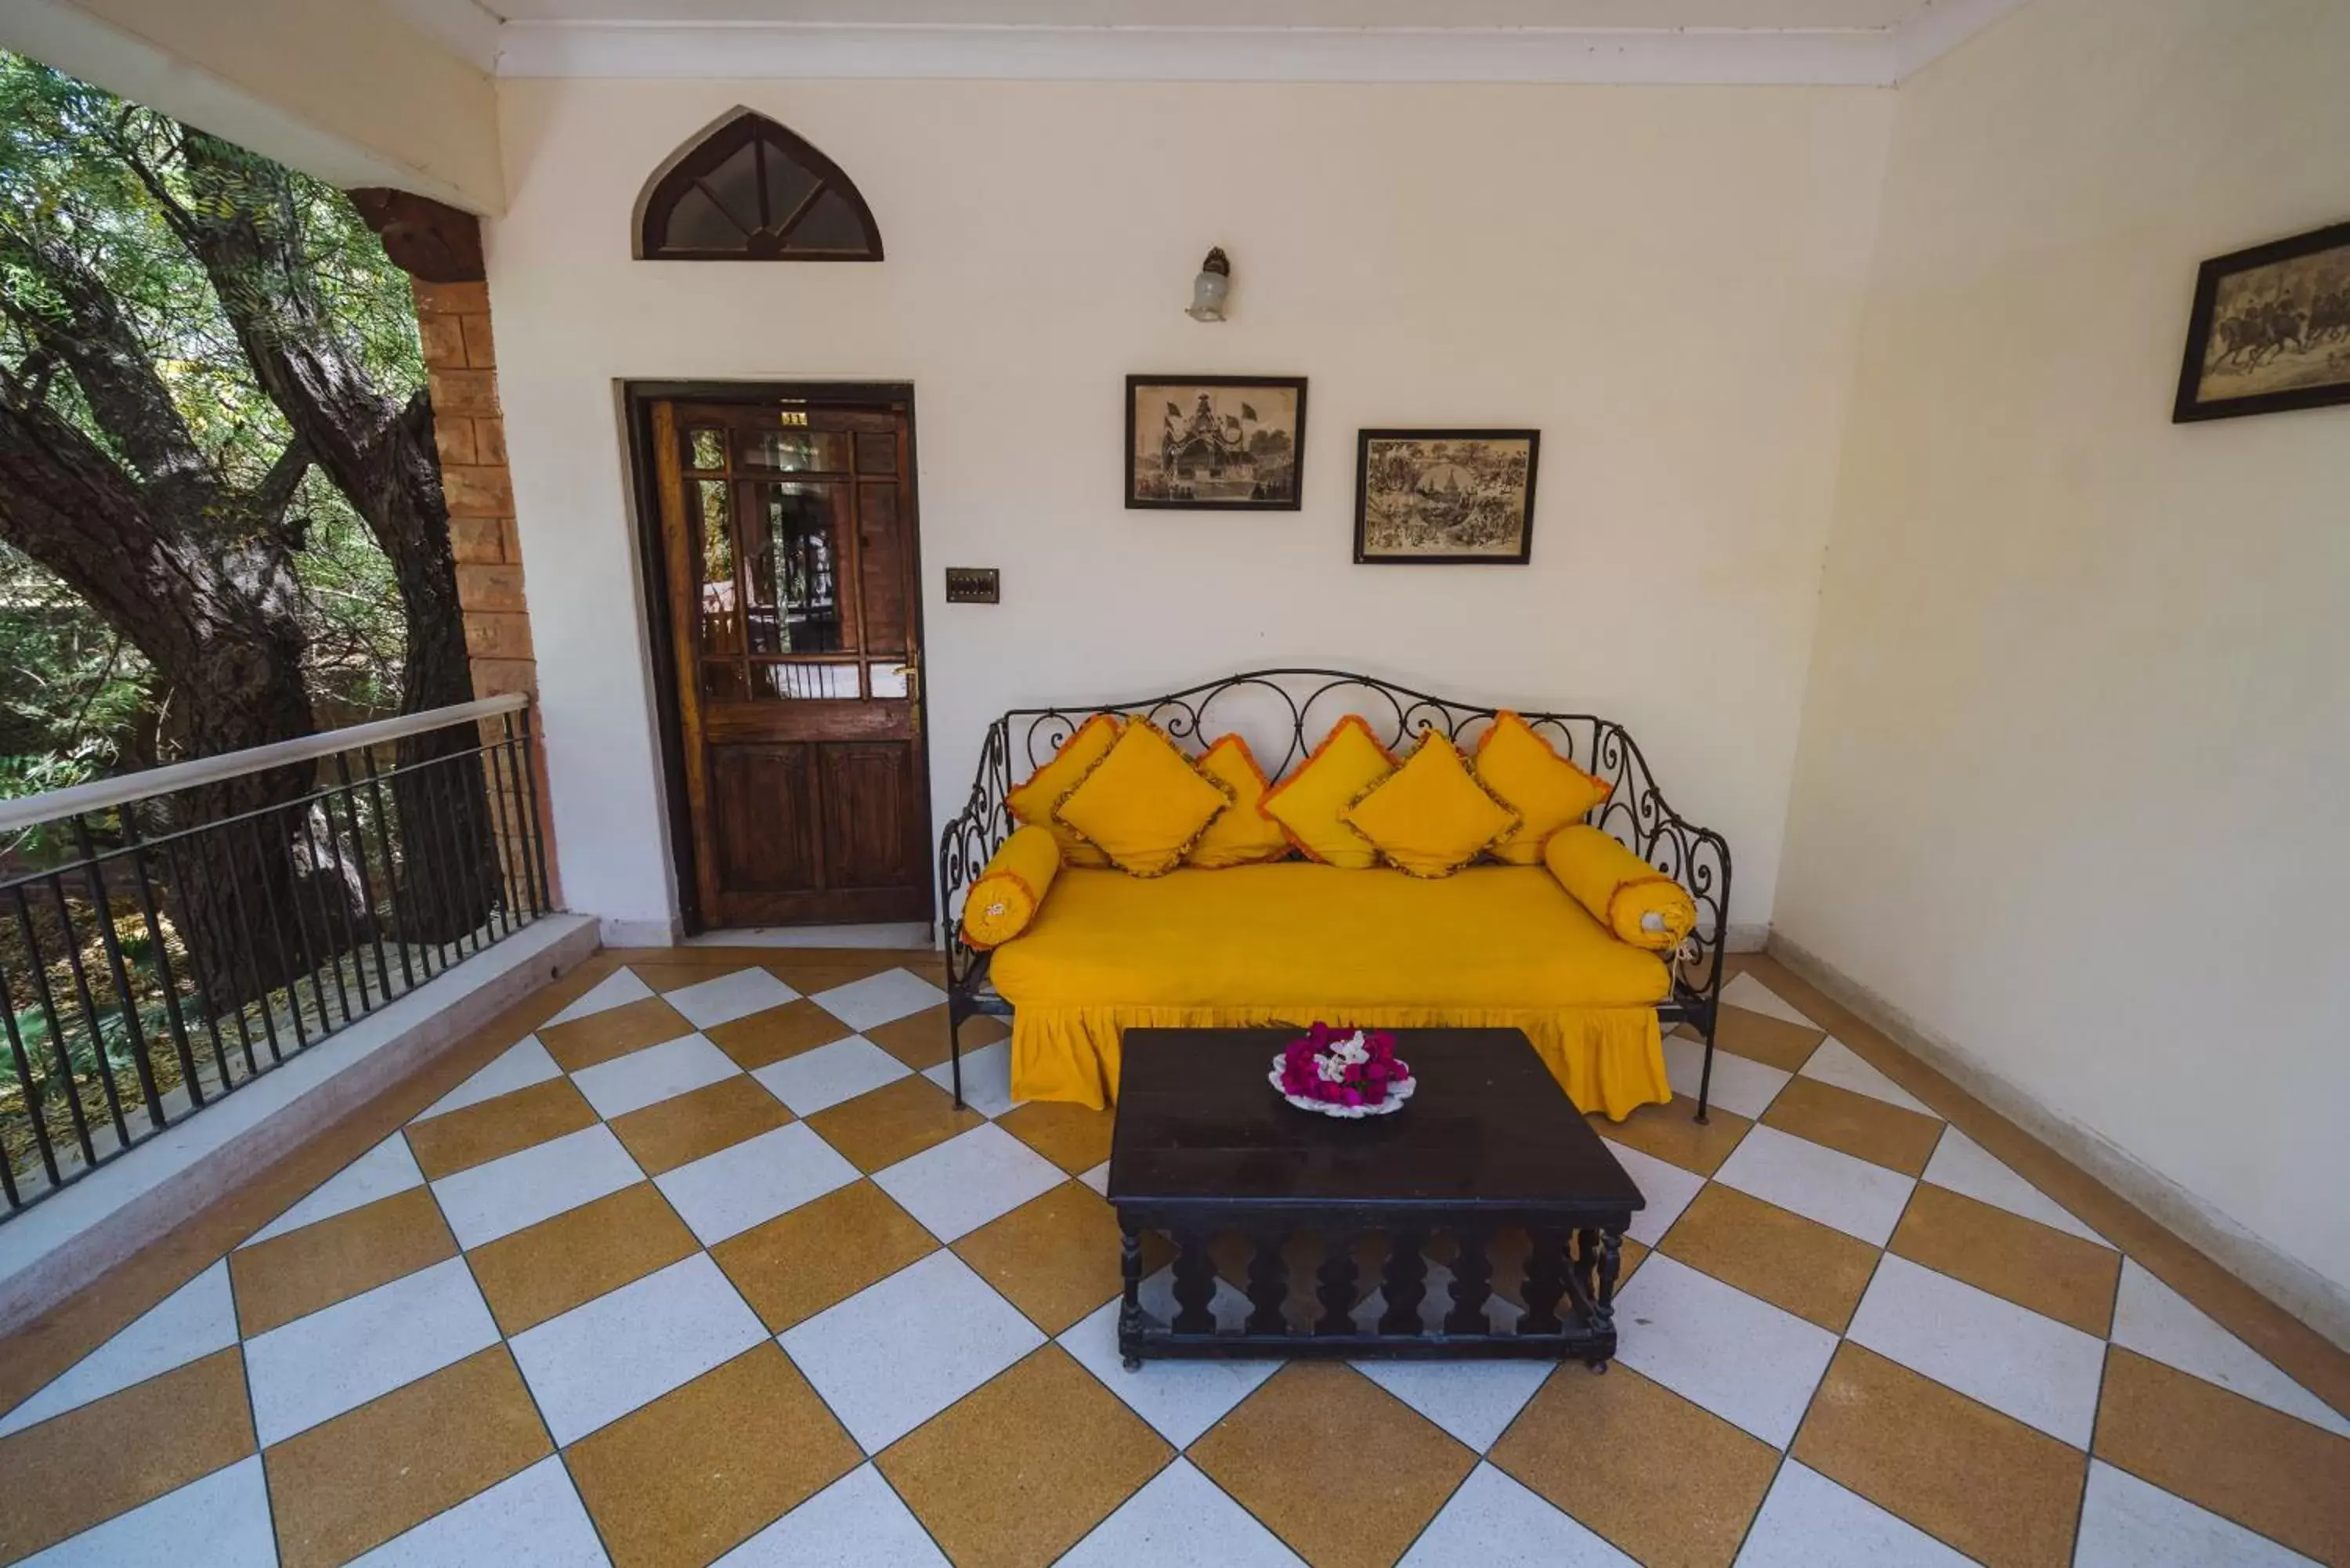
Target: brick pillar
462	360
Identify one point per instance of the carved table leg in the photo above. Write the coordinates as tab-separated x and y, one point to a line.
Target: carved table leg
1129	1312
1473	1273
1268	1285
1405	1281
1336	1293
1611	1263
1195	1286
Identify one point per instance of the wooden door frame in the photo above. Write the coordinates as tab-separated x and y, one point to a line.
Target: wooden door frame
652	572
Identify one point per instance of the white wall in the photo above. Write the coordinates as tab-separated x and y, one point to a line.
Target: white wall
2071	789
1666	281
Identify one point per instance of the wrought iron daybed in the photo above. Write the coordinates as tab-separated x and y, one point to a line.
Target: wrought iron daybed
1283	712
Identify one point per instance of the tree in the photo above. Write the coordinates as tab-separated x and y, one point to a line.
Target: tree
178	350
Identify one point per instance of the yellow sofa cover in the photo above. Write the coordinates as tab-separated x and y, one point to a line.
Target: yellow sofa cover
1291	942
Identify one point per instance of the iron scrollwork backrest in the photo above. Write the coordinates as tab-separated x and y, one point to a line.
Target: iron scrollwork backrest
1284	713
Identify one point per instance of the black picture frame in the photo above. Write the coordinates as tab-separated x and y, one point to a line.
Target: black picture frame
1363	554
1158	386
2193	404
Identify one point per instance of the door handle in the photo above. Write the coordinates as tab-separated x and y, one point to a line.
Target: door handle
913	674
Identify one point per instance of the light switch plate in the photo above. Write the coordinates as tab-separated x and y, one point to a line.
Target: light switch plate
973	586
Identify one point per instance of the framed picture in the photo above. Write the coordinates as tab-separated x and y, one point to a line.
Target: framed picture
1214	443
2271	330
1445	497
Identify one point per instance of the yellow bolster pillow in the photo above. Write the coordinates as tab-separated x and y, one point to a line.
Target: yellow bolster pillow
1631	897
1010	891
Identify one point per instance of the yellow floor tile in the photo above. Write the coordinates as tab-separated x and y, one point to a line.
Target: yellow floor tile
800	1262
1072	1137
1864	1127
683	1480
356	1482
683	1129
294	1274
547	1269
764	1038
2063	1276
2002	1493
1341	1469
1672	1484
1056	1257
615	1031
1790	1261
1014	1473
2264	1468
1760	1037
458	1140
1673	1134
919	1040
84	1466
895	1122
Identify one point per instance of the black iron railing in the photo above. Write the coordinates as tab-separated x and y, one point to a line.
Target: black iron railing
168	937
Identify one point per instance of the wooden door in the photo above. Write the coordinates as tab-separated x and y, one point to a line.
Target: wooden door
789	537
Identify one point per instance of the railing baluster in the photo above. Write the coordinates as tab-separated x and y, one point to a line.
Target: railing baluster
494	789
202	911
125	1002
146	899
32	1086
539	897
88	1013
57	1029
391	875
367	883
280	958
447	875
260	998
317	883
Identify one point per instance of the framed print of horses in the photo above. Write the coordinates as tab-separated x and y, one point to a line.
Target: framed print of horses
1214	443
1445	497
2271	330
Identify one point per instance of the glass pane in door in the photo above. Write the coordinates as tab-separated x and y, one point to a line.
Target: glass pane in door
798	451
788	680
793	569
721	615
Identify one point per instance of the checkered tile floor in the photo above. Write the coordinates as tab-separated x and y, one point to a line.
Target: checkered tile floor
709	1268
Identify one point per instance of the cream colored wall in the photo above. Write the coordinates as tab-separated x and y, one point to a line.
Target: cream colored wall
342	88
2070	791
1666	281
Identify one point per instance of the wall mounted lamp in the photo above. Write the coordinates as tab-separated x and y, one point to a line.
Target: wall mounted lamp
1208	289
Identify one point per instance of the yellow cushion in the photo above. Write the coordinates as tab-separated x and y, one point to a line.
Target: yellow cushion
1306	804
1243	835
1495	947
1631	897
1011	889
1429	817
1033	802
1143	805
1530	778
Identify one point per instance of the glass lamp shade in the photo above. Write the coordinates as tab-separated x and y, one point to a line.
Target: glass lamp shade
1208	292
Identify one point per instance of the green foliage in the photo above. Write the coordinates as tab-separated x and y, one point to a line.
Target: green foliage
77	702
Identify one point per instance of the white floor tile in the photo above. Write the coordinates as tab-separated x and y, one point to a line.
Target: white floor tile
1738	1356
2125	1524
1668	1188
856	1523
2043	1373
1837	1063
1495	1522
896	1353
1964	1166
219	1522
533	1518
1745	1086
749	1183
1809	1521
965	1182
2156	1321
986	1078
655	1074
1179	1520
617	989
1744	991
534	1184
340	1357
1098	1178
385	1169
1473	1400
1181	1400
729	997
818	1079
880	998
1818	1182
518	1066
626	1348
193	1320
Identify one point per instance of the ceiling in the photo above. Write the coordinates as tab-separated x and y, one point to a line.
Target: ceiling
1847	42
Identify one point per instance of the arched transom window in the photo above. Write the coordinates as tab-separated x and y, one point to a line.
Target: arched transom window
749	190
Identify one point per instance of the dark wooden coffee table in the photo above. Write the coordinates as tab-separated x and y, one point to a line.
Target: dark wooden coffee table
1488	1150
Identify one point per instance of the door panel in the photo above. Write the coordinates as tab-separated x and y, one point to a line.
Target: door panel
789	534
